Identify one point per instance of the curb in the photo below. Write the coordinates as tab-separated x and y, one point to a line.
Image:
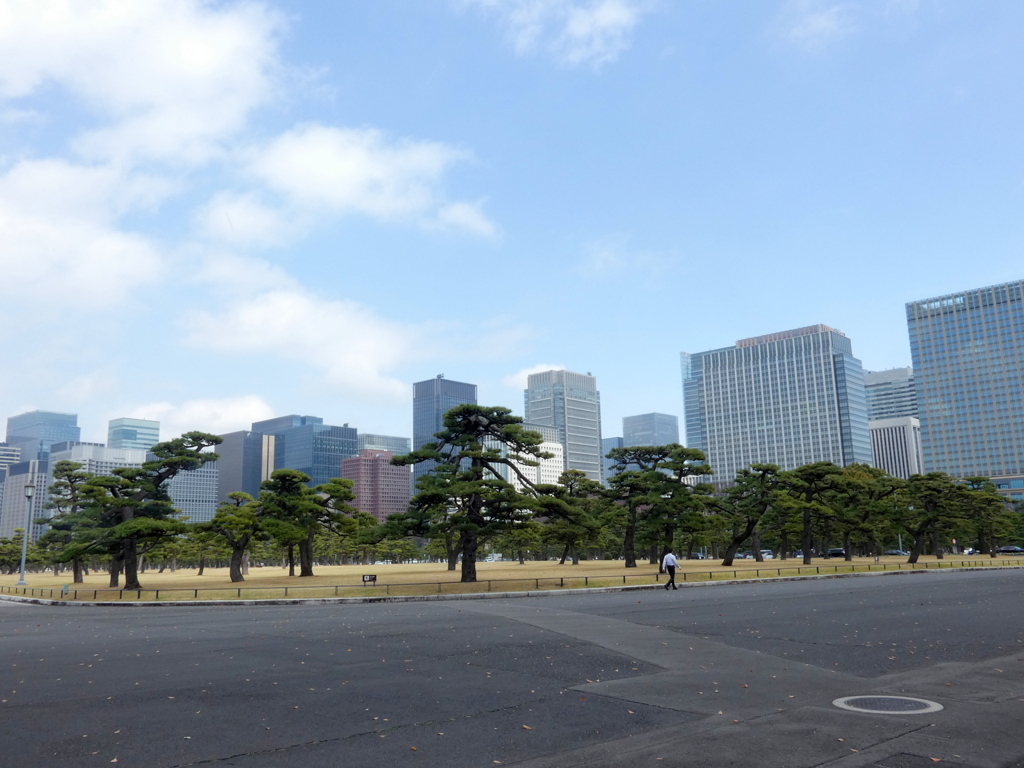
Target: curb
472	596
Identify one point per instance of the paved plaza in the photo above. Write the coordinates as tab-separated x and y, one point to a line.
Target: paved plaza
725	675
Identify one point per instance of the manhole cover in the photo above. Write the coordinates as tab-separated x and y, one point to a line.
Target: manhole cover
887	705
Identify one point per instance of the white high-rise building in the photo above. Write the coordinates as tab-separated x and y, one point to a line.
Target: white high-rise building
788	398
546	472
570	403
896	445
135	434
891	393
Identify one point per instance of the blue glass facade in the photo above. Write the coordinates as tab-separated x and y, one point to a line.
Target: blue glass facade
788	398
307	444
968	355
431	400
36	431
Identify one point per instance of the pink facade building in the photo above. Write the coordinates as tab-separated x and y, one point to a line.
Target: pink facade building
380	488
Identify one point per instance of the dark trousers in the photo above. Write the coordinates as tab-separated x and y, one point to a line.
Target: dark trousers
671	576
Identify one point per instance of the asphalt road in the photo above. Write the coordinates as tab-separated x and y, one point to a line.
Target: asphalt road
740	675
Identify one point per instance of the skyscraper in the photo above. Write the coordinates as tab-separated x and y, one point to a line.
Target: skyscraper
397	445
788	398
607	443
431	400
892	421
34	432
968	355
571	403
650	429
246	460
307	444
380	488
891	394
133	434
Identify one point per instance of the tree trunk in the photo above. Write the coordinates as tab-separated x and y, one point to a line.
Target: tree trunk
174	564
847	546
470	543
936	545
784	554
115	570
131	564
202	564
755	544
245	561
306	555
918	548
808	541
629	539
235	567
575	555
522	556
565	554
76	567
291	559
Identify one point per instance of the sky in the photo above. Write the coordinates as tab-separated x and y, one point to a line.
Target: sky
217	212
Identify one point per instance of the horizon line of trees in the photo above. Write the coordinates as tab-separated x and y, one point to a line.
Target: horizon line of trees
469	504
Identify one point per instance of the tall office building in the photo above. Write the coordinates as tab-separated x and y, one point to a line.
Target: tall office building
896	445
968	355
546	472
788	398
891	394
15	505
380	487
194	493
246	460
571	403
607	443
397	445
892	421
9	454
431	400
34	432
650	429
133	434
307	444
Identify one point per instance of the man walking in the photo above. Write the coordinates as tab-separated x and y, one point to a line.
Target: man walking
669	564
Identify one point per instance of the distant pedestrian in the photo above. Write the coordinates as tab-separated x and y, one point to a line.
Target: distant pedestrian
669	564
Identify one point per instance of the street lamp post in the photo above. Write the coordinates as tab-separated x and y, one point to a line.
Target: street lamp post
29	491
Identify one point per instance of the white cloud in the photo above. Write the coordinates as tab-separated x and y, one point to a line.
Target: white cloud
466	217
575	32
518	380
244	220
171	78
814	24
347	343
216	415
328	170
614	256
60	234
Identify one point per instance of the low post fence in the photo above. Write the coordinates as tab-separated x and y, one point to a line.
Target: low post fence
255	592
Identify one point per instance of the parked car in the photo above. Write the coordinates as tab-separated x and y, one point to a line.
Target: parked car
767	554
1010	550
837	552
896	552
697	556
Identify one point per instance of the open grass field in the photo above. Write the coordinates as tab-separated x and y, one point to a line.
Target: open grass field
434	578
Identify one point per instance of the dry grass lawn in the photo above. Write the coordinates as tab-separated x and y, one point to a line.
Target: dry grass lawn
434	578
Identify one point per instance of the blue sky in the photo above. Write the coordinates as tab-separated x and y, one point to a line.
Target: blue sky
216	212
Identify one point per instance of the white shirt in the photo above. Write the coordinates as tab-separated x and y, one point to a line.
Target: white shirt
670	559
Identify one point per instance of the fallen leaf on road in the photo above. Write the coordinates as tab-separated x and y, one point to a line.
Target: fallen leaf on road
631	711
527	728
413	748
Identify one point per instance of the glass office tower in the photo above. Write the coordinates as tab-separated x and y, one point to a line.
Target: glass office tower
968	355
133	434
650	429
34	432
788	398
571	403
431	400
307	444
